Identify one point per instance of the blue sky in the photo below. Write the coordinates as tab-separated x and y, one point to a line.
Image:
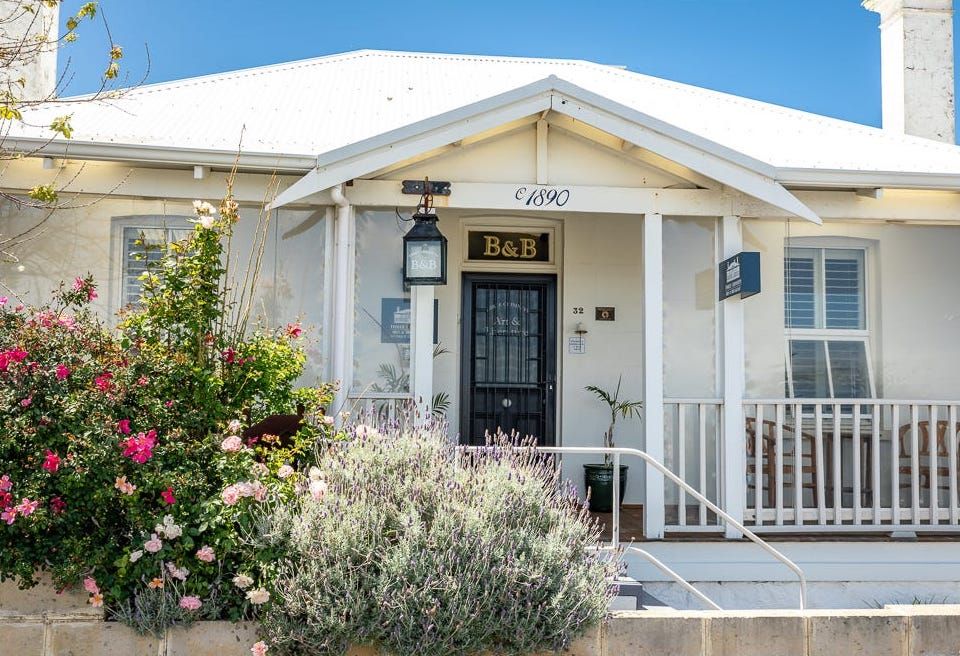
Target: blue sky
817	55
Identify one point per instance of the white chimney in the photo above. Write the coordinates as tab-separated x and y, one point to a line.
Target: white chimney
36	62
916	58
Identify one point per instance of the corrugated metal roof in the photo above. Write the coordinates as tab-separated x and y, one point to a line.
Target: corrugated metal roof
312	106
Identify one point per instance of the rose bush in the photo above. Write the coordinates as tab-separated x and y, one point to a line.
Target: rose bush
121	461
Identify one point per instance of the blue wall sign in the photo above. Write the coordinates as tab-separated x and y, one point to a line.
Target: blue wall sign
395	318
740	276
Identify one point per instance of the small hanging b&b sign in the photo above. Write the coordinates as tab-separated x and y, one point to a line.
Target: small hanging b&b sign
740	276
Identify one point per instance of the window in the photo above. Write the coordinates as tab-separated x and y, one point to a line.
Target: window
141	246
826	322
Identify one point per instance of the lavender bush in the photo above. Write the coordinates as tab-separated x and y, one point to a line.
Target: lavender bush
401	545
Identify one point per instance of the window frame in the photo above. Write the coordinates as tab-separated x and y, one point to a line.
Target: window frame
118	263
826	335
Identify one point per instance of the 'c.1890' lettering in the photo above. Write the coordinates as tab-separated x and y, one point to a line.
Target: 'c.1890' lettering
542	196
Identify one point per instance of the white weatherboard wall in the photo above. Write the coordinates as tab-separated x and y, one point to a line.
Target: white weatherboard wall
913	304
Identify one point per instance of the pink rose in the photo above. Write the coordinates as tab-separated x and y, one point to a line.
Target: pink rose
124	485
259	649
231	444
90	585
167	496
51	462
190	603
123	426
206	554
62	372
140	448
5	483
104	382
230	495
8	516
27	402
294	330
27	507
153	545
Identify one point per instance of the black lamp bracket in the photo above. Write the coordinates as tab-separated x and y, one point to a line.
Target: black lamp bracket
428	187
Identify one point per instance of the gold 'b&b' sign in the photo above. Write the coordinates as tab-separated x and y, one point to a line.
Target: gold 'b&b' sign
510	246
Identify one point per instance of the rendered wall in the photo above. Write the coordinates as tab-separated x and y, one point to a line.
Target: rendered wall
84	240
892	631
913	305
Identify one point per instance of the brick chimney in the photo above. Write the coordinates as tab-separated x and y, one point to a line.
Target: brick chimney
39	68
916	57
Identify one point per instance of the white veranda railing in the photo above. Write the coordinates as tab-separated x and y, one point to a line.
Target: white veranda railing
693	442
837	465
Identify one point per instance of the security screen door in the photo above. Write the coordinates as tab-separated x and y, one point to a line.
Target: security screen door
509	358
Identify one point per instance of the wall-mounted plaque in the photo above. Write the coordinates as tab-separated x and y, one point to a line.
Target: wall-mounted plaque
508	246
395	317
605	314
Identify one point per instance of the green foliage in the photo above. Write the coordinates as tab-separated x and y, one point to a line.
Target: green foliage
110	439
61	125
46	194
617	408
402	545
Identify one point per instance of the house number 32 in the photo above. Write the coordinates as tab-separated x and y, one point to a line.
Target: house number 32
542	196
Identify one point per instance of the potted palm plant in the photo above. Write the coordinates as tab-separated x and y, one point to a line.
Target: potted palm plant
597	478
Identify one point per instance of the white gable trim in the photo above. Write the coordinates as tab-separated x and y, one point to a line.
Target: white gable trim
720	163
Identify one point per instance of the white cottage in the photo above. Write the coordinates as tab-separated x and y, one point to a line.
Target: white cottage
588	210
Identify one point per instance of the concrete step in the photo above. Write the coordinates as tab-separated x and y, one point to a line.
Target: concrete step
633	596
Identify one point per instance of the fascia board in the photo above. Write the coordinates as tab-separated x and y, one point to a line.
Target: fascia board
757	180
147	154
873	179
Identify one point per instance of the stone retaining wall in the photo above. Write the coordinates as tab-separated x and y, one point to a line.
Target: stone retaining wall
891	631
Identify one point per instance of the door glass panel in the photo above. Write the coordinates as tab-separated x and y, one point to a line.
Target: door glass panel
508	384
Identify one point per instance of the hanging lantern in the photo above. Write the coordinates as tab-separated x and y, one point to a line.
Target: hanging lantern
425	247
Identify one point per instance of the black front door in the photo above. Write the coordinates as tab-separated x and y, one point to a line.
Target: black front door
509	356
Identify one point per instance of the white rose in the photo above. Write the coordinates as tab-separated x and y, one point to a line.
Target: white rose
318	489
285	471
136	555
258	596
315	473
206	222
172	531
234	426
242	581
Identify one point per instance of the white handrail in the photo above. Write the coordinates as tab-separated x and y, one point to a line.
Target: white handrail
663	567
648	459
